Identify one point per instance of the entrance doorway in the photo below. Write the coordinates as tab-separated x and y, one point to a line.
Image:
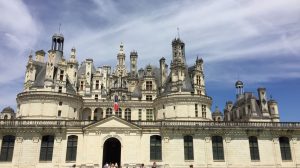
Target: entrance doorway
112	151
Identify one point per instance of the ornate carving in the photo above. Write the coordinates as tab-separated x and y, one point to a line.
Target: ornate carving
58	139
227	139
207	139
19	139
35	139
166	139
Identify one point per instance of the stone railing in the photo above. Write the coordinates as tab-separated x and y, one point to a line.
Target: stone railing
151	124
213	124
44	123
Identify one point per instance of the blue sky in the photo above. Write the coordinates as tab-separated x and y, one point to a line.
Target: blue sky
255	41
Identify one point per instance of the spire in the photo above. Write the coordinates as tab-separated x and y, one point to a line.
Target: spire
121	51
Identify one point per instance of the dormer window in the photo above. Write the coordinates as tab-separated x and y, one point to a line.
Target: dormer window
149	85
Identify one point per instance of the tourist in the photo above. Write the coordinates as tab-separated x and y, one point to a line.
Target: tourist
116	165
142	165
154	165
191	166
106	165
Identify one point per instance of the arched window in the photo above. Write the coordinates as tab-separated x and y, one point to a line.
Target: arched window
72	148
217	145
7	148
254	151
108	112
47	148
119	113
188	148
155	147
128	114
285	148
5	117
198	80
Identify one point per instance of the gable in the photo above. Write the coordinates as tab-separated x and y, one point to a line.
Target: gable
112	122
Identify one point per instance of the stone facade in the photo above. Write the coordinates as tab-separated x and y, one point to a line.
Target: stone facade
67	117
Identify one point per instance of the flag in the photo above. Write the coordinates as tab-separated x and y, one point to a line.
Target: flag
116	103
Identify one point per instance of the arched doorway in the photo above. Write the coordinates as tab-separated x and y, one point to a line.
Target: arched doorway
111	151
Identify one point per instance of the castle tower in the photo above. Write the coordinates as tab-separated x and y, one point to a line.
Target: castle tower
273	107
54	57
133	63
30	74
121	69
239	85
40	56
72	68
199	83
163	70
178	66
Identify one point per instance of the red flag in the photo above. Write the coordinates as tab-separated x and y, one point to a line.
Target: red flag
116	104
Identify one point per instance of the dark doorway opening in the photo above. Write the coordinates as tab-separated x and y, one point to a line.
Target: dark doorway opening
112	151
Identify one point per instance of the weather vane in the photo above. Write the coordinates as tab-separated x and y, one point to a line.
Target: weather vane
178	32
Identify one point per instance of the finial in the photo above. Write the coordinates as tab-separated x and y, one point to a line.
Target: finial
59	27
178	32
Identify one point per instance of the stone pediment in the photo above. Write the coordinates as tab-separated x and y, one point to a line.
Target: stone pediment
112	123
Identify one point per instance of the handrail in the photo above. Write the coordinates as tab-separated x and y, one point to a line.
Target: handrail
147	124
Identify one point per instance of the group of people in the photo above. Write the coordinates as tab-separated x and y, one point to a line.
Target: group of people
111	165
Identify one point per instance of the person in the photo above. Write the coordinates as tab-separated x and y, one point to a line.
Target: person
142	165
112	166
116	165
191	166
106	165
154	165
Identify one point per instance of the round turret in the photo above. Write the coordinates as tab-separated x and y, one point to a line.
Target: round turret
7	113
239	84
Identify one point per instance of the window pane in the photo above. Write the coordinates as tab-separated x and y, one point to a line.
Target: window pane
285	148
72	148
155	147
47	148
7	148
217	144
188	148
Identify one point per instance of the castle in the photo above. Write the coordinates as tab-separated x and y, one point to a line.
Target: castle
80	115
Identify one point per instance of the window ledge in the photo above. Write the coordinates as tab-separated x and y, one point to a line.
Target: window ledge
287	160
255	160
71	161
50	161
156	160
189	160
219	160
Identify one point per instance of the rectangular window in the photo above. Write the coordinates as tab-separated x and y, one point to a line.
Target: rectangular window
97	84
149	114
47	148
140	114
148	85
60	103
155	147
148	97
253	144
204	111
59	113
188	148
96	97
59	89
61	76
7	148
285	149
217	145
72	148
196	110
